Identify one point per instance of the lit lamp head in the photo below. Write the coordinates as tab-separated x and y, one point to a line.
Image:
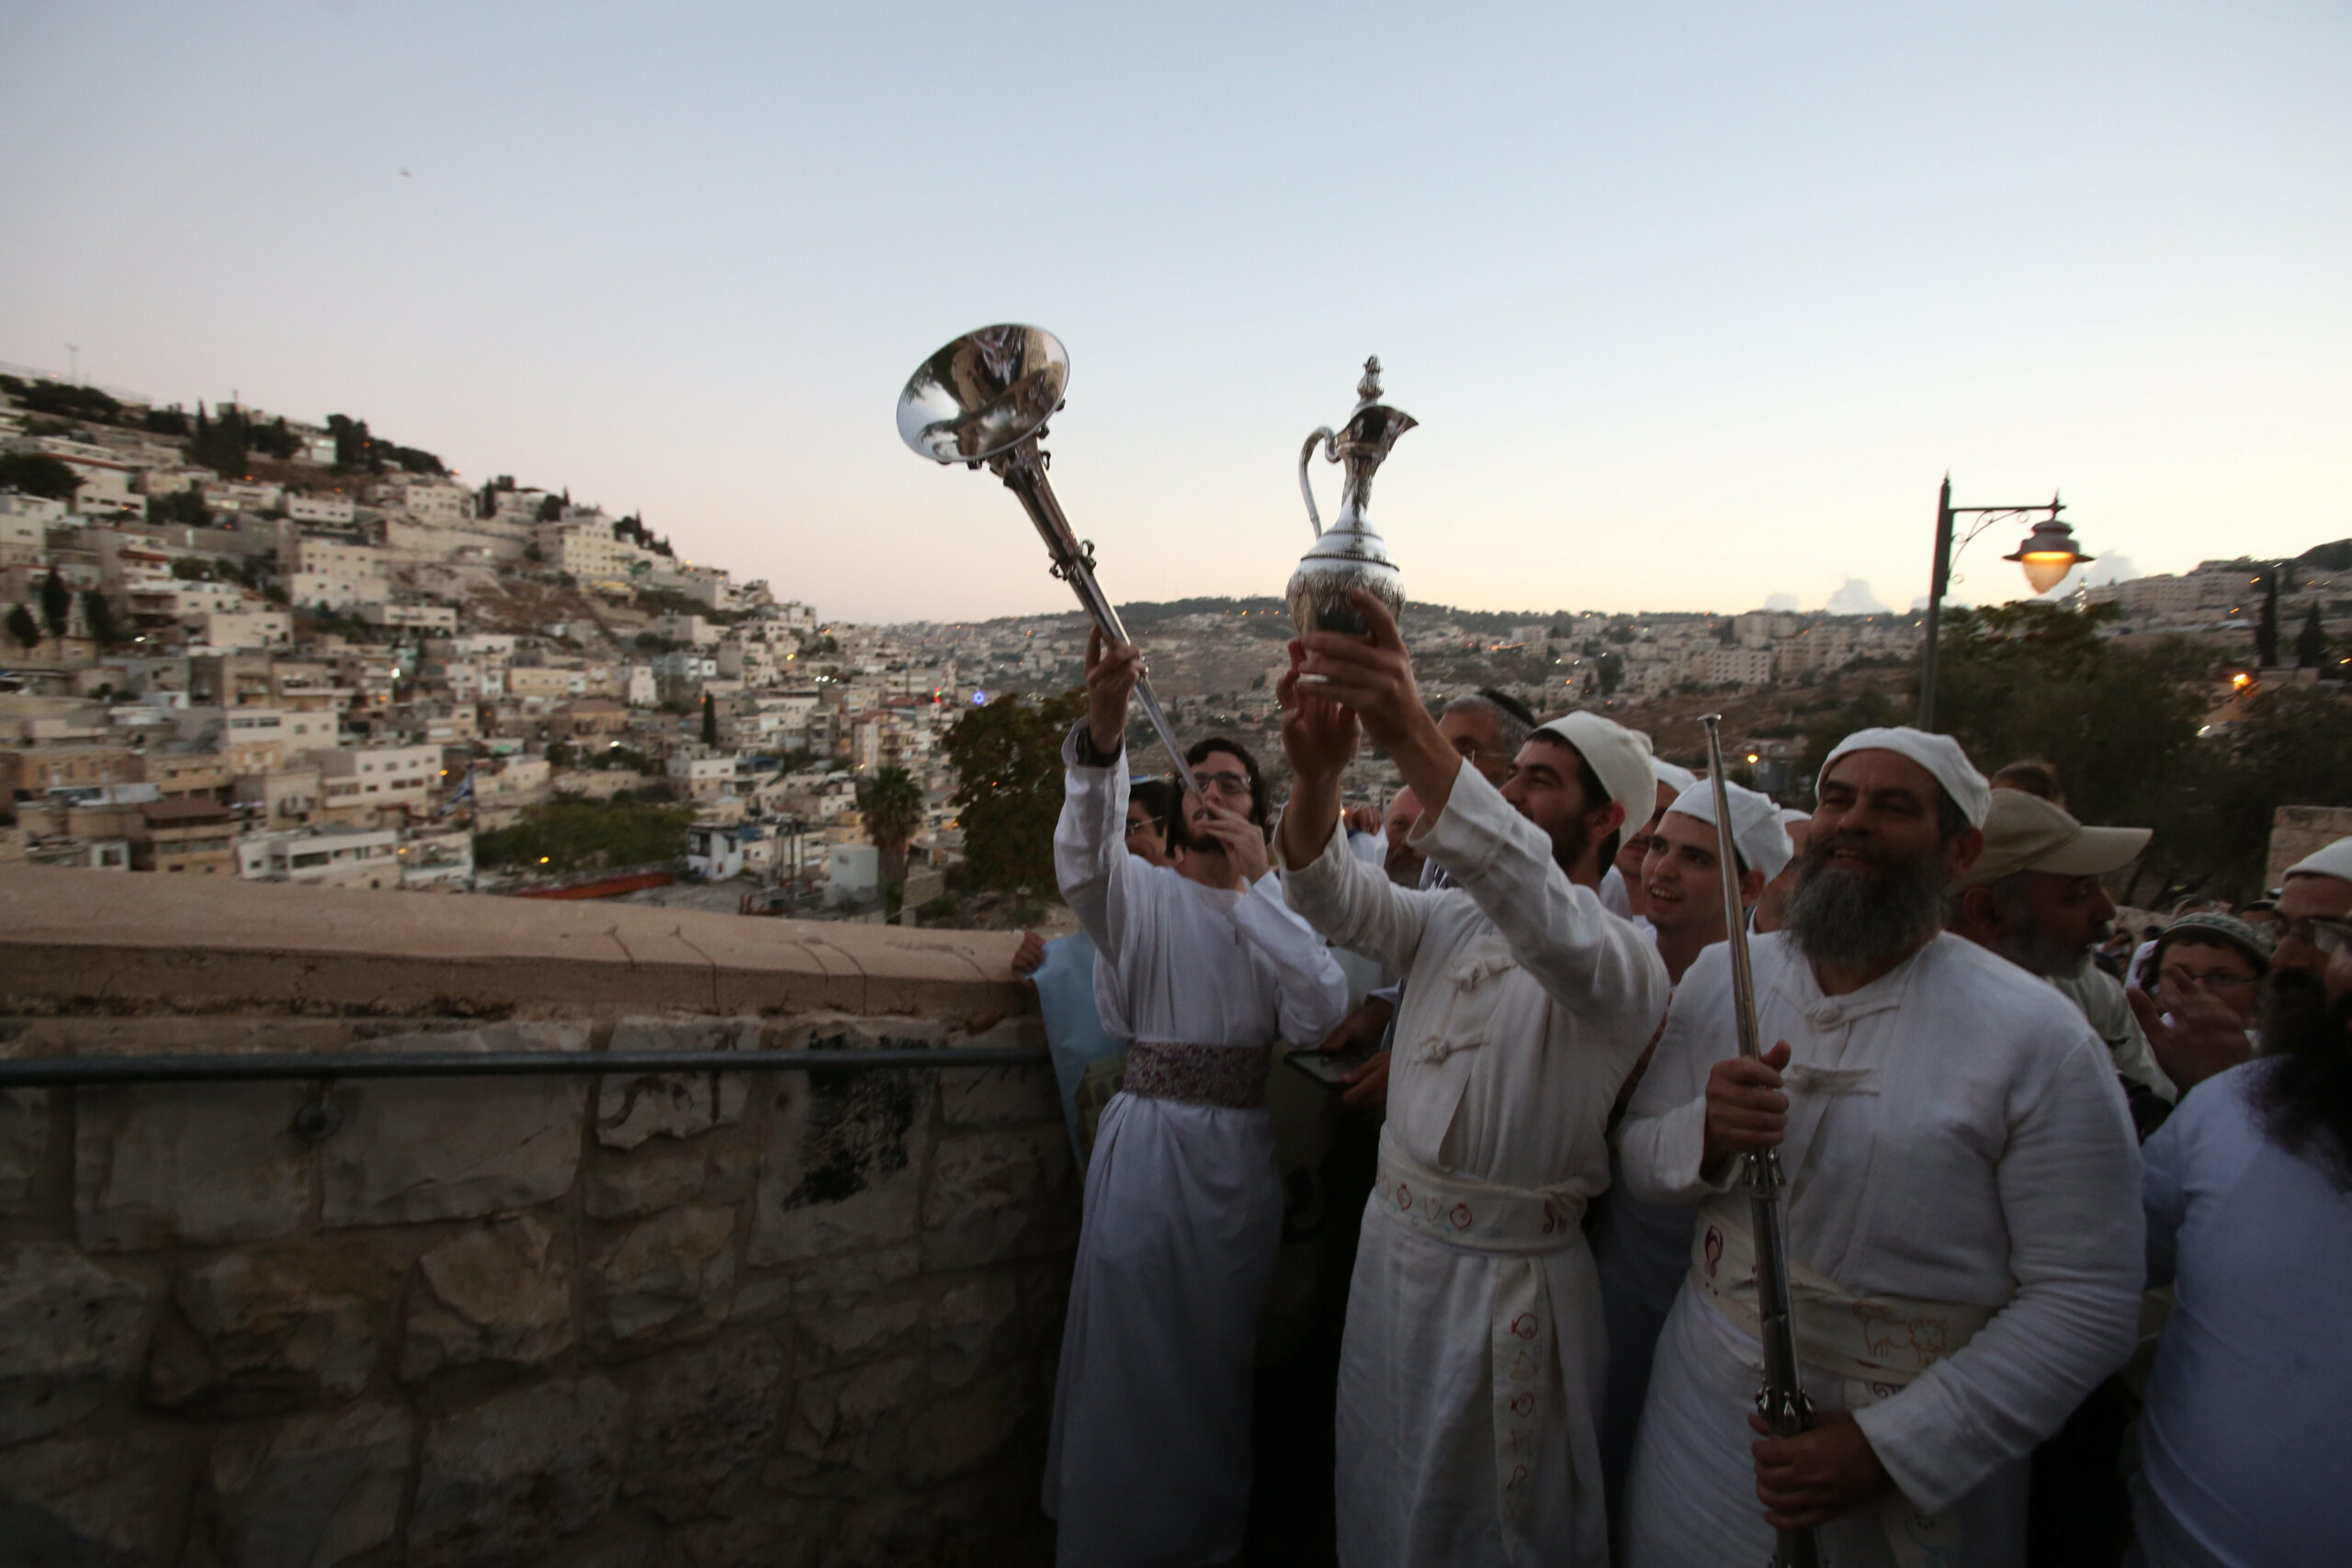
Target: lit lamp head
2048	555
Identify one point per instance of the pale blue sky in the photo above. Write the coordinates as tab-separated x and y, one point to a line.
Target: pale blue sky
1695	303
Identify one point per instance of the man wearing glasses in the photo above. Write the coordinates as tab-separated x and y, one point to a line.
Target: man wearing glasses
2198	1029
1202	968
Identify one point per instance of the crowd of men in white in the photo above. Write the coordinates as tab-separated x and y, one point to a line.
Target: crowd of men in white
1551	1350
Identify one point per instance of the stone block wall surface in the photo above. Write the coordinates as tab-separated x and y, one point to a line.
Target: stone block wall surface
2297	831
668	1320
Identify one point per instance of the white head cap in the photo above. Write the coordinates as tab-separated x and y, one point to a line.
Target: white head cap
1939	754
1620	758
1756	830
2335	860
1674	775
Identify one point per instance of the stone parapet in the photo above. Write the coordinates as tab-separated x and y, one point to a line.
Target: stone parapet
2298	831
72	941
646	1320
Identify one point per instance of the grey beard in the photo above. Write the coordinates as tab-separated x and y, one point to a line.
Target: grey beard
1851	921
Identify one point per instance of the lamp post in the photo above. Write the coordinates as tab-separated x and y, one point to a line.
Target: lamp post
2047	554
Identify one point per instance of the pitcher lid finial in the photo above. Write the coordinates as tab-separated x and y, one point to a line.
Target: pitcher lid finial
1368	390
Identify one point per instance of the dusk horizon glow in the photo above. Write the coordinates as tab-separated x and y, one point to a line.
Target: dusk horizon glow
1695	309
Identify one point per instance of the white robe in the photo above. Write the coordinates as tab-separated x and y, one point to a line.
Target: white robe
1525	1005
1969	1144
1149	1457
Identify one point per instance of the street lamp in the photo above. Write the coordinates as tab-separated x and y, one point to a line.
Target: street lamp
2047	554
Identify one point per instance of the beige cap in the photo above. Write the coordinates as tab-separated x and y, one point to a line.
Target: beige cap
2025	833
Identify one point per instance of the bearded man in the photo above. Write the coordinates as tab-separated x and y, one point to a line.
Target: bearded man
1962	1218
1472	1358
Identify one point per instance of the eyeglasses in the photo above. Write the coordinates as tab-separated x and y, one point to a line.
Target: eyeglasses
1236	785
2330	935
2206	979
1145	822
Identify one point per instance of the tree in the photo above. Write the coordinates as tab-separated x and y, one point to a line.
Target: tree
35	473
180	506
892	802
576	835
56	604
709	719
1008	762
23	627
2266	631
2310	643
97	613
551	509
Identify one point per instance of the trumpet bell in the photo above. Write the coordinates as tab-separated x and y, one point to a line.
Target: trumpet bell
985	394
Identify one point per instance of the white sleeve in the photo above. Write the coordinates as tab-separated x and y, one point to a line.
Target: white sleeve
1355	907
1313	990
1662	1140
1090	859
2069	1180
1588	961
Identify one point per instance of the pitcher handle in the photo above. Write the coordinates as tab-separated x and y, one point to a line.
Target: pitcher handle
1305	455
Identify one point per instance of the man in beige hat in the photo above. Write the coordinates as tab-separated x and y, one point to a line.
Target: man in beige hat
2034	897
1472	1367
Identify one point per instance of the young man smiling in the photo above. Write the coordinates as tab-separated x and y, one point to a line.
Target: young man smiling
1472	1363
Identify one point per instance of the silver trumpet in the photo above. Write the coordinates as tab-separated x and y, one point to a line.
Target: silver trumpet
985	399
1781	1400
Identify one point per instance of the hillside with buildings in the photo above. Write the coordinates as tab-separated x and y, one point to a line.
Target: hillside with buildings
245	645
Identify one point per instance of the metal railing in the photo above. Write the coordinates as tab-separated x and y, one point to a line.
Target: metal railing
73	1072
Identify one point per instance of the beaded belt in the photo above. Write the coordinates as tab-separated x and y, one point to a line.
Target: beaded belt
1230	1075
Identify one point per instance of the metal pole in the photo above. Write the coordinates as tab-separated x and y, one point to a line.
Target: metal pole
1939	578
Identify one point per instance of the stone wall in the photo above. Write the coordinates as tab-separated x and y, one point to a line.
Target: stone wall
655	1320
2297	830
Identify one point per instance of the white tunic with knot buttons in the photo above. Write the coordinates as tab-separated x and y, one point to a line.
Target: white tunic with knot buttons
1148	1462
1955	1134
1525	1006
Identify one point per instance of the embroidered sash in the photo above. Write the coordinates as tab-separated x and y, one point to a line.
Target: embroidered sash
1876	1344
1522	1225
1230	1075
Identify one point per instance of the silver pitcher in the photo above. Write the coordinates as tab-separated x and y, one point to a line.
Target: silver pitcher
1348	554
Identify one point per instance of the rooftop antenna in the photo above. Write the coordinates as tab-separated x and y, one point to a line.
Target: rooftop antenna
73	363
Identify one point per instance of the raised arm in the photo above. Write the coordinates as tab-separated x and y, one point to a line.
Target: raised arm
1340	895
1090	859
1587	960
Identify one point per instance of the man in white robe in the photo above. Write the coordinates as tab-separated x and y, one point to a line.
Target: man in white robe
1643	1249
1963	1229
1203	970
1471	1367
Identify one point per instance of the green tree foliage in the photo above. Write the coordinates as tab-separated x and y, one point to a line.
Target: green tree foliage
2265	630
586	835
1007	757
35	473
68	401
551	509
56	604
172	420
2130	725
97	613
358	452
709	719
2311	642
892	802
181	507
23	627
